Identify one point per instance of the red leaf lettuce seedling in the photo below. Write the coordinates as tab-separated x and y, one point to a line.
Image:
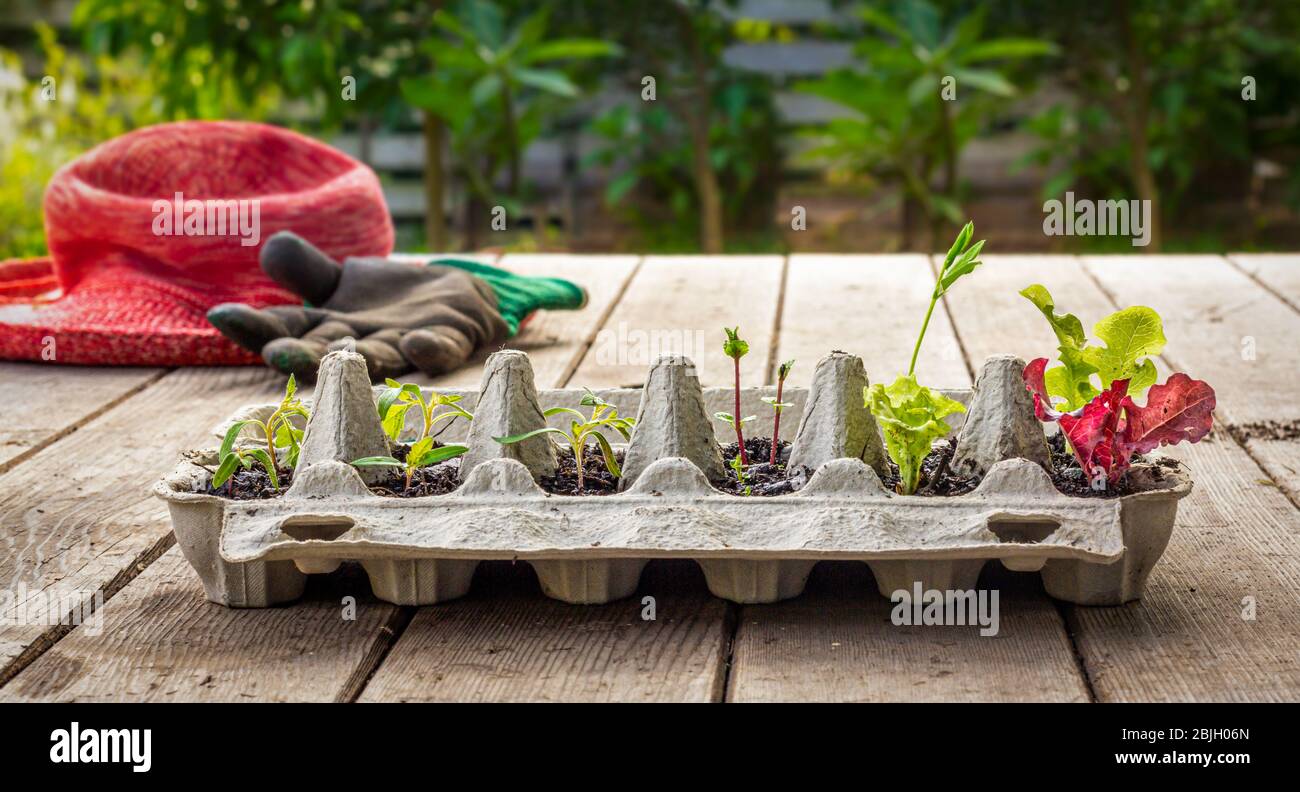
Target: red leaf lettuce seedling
1131	336
583	428
1105	428
278	431
910	414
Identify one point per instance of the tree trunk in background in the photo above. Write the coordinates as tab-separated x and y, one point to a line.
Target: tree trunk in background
1138	107
435	218
365	139
706	185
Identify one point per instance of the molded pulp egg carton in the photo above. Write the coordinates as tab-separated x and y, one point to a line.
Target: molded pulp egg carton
592	549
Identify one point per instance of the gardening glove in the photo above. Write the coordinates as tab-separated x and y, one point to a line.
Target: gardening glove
399	316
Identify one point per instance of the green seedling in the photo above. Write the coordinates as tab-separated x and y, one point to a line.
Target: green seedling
583	428
910	414
735	348
739	466
421	454
777	405
401	397
279	432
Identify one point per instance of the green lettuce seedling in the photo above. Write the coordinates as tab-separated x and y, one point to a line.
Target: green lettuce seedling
400	397
1132	337
735	348
584	428
279	433
910	414
777	405
422	453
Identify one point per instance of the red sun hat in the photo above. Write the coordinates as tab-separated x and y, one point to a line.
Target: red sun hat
140	247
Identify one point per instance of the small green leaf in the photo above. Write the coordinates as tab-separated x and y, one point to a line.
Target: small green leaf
559	410
290	388
1130	335
228	442
395	421
376	461
611	464
417	450
440	454
734	347
229	464
264	458
519	438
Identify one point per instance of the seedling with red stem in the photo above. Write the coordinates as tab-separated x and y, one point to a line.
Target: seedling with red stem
735	348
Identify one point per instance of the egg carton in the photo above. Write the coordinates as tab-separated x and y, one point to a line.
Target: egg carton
592	549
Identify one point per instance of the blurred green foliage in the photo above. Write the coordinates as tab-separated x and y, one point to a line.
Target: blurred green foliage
925	86
495	84
77	102
1158	105
1145	101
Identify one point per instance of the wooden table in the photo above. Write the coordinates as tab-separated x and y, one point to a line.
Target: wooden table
81	447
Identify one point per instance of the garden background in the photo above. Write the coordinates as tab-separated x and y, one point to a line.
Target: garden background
882	125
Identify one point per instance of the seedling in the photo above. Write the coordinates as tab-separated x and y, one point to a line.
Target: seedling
582	429
782	372
401	397
279	432
421	454
911	415
739	467
735	348
1132	336
1105	428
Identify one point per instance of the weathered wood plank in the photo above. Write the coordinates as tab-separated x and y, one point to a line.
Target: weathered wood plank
556	341
870	306
837	643
1236	534
179	621
679	304
1277	271
78	517
1222	327
160	640
1188	640
45	401
1233	333
507	642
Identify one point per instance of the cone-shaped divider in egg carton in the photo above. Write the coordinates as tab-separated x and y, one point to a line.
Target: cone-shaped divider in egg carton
507	406
672	422
836	422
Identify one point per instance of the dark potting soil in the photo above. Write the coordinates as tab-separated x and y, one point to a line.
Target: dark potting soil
937	477
1070	480
761	477
436	479
252	484
1269	430
596	479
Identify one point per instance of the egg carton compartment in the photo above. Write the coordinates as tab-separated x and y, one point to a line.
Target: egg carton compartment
592	549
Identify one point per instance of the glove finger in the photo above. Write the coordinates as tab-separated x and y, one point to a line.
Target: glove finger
479	328
301	356
300	267
253	328
437	350
380	350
